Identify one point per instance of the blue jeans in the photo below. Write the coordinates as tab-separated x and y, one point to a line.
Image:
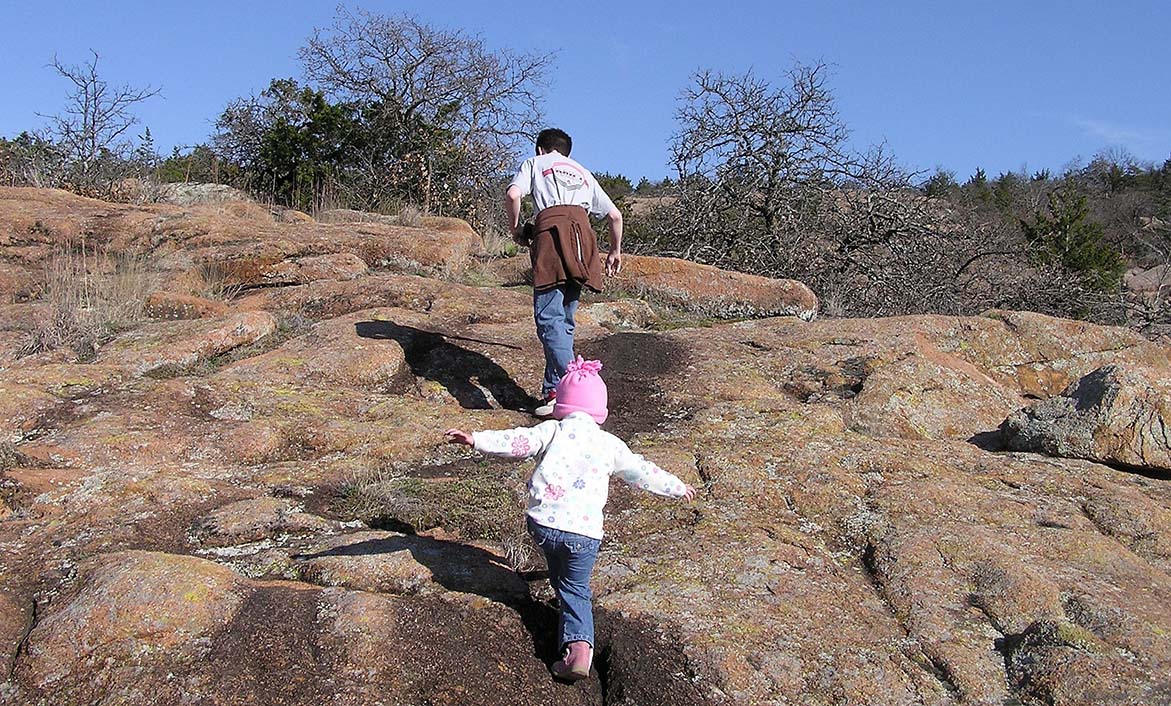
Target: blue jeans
571	561
553	310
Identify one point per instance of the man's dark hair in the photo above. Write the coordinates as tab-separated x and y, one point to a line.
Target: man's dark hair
554	140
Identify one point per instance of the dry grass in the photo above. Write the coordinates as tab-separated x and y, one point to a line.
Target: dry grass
456	265
478	271
92	295
410	216
214	283
480	503
498	243
477	502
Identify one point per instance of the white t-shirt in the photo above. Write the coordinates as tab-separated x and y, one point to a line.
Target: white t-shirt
555	180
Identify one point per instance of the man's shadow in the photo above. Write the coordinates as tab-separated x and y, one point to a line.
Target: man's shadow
469	376
469	569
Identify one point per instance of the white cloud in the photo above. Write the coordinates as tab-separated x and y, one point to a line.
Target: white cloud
1116	134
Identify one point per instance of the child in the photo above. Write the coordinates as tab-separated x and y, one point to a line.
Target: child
562	246
567	493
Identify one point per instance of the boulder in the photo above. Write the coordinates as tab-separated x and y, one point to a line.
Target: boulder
710	291
15	619
253	520
1041	355
615	315
929	395
1148	282
852	541
1059	662
1116	414
700	289
145	628
134	612
332	266
390	562
195	194
440	223
184	343
334	352
22	408
18	282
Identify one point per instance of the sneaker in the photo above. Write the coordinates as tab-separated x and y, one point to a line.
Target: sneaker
545	409
576	663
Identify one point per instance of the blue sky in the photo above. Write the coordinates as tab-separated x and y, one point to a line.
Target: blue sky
1000	85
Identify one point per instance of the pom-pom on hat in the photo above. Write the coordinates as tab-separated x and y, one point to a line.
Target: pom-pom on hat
581	390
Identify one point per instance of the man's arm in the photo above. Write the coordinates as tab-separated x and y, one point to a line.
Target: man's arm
614	257
512	199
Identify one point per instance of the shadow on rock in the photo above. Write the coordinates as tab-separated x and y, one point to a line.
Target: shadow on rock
468	569
988	440
473	379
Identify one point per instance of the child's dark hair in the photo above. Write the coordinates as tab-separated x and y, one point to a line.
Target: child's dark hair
554	140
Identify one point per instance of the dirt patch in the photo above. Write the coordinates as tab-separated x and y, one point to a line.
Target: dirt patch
633	364
167	531
829	383
268	654
639	662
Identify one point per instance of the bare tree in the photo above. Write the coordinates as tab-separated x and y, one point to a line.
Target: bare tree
444	90
750	144
767	184
92	129
1149	305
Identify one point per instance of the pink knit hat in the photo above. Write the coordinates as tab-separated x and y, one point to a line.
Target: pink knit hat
581	390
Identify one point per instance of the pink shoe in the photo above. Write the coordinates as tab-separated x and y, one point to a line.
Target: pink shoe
576	663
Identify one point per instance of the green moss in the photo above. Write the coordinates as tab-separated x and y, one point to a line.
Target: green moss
197	594
1076	636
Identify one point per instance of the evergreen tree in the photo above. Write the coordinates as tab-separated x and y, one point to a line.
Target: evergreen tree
1063	234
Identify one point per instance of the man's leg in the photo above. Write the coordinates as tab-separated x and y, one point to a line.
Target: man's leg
572	295
553	311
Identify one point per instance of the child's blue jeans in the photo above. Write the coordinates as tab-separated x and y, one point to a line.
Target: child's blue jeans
571	561
553	310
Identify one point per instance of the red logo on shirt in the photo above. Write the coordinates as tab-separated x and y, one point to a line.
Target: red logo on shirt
567	174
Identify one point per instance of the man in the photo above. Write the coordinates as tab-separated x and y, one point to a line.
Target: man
562	246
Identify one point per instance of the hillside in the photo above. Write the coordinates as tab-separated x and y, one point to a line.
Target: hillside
242	496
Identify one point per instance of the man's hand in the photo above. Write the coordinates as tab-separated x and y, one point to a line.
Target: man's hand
688	493
613	262
455	436
522	235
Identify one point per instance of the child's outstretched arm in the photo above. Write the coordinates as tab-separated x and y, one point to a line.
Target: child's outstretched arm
641	473
522	442
456	436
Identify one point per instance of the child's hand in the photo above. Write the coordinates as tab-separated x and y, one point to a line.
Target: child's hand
688	493
455	436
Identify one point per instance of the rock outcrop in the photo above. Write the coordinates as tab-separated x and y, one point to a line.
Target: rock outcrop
255	505
1116	414
693	287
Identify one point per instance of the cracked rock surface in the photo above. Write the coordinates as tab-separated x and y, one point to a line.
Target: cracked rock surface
254	505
